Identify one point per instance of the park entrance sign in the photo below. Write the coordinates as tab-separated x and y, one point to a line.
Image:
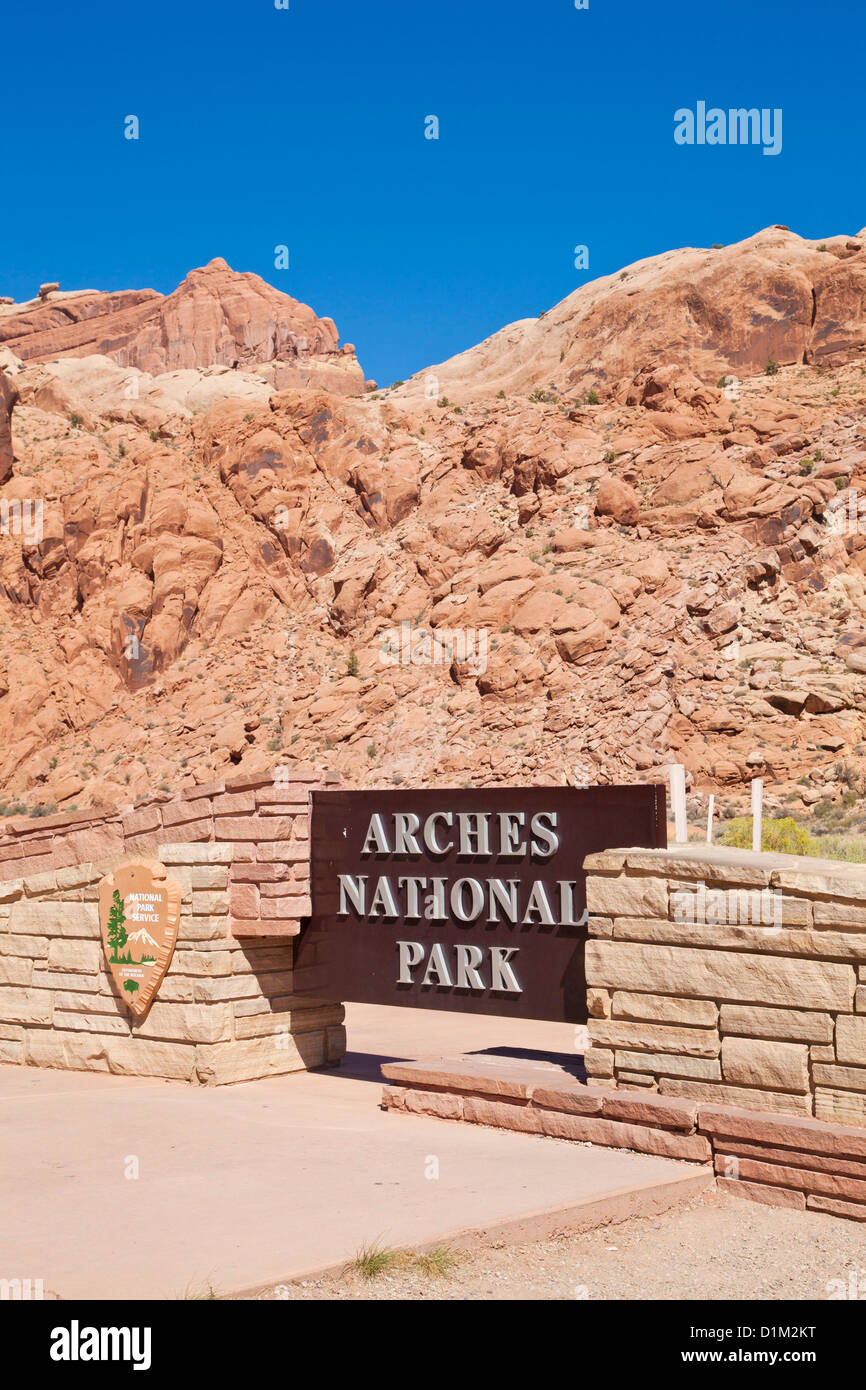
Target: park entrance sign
139	916
471	900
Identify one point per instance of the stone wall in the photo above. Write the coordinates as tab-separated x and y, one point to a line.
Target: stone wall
724	975
224	1011
780	1160
265	816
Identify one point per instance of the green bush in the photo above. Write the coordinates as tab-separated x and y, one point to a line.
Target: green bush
783	836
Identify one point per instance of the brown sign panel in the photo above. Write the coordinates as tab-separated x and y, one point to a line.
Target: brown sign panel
470	900
139	915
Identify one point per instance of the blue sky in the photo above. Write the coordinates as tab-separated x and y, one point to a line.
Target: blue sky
305	127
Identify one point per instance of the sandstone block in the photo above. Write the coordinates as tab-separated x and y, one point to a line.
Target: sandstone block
692	1042
196	1023
209	903
612	1134
55	919
234	804
21	1005
256	827
598	1062
15	970
143	821
76	1051
598	1002
203	928
177	989
442	1105
573	1100
854	1211
91	1023
63	979
793	1025
823	944
335	1044
503	1114
207	963
765	1193
81	957
840	1107
662	1112
243	900
137	1056
600	926
778	1066
178	812
847	1078
785	1102
851	1039
95	1003
721	975
624	896
285	852
665	1008
669	1064
725	1123
803	1179
249	1058
210	853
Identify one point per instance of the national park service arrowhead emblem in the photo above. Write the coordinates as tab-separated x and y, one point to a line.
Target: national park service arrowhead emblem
139	916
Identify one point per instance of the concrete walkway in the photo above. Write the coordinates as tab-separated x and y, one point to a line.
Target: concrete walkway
245	1186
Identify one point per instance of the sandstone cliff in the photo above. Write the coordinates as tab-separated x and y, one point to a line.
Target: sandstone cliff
517	580
216	317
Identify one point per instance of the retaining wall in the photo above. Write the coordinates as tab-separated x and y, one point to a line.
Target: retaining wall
758	1001
225	1010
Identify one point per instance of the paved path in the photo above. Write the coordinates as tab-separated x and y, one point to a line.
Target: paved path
240	1186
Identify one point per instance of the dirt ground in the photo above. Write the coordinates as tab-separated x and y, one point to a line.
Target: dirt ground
717	1247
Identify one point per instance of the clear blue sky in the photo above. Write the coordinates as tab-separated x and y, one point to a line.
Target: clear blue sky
306	127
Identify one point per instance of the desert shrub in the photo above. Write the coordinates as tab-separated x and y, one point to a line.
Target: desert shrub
782	836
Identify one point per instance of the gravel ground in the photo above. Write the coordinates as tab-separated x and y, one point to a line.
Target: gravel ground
716	1247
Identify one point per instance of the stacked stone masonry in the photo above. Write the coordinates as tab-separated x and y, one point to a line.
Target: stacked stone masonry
729	976
264	815
224	1011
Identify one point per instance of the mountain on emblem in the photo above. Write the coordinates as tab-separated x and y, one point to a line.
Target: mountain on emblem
139	916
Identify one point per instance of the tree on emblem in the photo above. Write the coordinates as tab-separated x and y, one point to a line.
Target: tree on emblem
116	930
131	987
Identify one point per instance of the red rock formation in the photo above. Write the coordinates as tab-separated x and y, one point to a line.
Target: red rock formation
216	317
732	309
523	589
8	398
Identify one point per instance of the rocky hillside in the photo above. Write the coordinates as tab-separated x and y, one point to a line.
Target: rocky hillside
618	536
729	309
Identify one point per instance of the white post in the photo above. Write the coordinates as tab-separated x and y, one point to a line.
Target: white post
677	774
757	812
710	809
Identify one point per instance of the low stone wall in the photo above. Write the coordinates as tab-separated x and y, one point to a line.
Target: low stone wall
778	1160
224	1011
729	976
264	816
